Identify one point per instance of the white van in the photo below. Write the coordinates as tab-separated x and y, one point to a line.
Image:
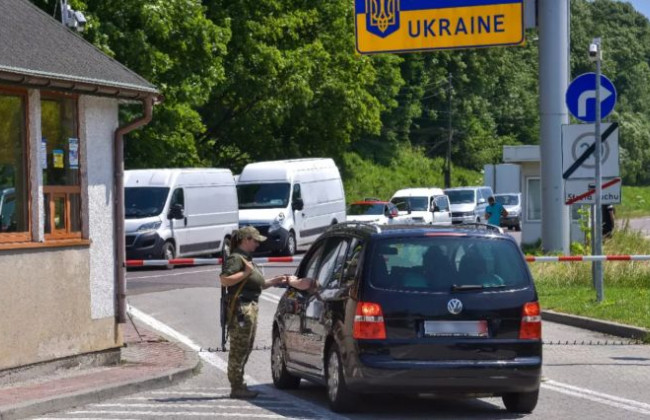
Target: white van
468	203
423	205
178	212
290	201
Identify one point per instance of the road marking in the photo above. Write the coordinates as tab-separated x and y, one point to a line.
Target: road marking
171	274
162	405
269	297
182	414
222	365
587	394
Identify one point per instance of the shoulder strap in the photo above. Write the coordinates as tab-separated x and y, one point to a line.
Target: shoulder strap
231	310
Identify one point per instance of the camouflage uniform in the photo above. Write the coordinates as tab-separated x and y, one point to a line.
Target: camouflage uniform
242	323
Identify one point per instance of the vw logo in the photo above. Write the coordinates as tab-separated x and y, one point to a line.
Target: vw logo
454	306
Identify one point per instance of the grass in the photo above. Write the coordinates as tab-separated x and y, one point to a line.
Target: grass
635	202
567	287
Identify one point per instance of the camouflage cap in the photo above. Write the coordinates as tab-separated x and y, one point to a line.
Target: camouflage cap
251	232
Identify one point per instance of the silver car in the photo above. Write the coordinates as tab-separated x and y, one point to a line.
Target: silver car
512	204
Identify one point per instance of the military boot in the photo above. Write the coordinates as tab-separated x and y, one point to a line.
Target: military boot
243	393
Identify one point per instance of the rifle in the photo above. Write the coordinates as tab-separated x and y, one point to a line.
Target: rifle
223	317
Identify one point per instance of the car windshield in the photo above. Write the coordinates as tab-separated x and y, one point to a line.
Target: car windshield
507	199
140	202
411	203
460	196
263	196
447	263
366	209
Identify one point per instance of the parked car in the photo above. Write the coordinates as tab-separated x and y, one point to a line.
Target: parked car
178	212
374	211
423	205
468	203
512	203
291	202
412	309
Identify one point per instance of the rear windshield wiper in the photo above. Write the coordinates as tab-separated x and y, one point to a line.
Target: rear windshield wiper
465	287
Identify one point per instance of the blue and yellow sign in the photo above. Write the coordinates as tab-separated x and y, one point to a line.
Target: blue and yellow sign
417	25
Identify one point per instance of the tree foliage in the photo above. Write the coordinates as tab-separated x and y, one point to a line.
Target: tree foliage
250	80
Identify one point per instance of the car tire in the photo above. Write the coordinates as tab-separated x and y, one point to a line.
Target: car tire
290	247
521	402
168	253
518	227
282	379
340	397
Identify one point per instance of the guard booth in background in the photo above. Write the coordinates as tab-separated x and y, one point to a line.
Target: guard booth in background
521	172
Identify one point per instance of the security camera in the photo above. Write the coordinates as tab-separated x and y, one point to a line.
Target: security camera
594	51
80	19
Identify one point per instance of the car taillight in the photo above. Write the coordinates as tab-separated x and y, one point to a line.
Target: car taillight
369	322
531	322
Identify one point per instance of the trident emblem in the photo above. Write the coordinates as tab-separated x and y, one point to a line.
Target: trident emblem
382	16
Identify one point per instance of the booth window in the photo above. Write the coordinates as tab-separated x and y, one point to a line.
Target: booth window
14	182
534	199
60	163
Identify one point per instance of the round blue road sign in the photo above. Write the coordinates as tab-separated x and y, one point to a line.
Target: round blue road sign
581	97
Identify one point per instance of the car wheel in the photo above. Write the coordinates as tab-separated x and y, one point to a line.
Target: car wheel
282	379
340	397
518	227
290	247
168	253
521	402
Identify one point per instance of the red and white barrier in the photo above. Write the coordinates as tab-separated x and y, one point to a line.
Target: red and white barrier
576	258
205	261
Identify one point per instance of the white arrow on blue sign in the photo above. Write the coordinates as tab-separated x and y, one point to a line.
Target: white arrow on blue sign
581	97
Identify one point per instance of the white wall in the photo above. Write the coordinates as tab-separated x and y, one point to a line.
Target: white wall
98	123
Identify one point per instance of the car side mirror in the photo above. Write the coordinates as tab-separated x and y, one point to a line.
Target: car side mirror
298	204
176	212
435	208
392	214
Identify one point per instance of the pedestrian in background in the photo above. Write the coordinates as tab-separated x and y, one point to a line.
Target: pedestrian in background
494	211
608	220
245	282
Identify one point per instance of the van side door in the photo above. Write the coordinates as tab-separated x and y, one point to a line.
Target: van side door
441	211
179	224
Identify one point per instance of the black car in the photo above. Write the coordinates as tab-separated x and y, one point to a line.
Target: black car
412	309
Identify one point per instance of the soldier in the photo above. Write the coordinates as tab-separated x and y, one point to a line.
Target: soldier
245	283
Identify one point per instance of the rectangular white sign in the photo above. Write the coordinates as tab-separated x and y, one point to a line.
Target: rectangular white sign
576	139
574	188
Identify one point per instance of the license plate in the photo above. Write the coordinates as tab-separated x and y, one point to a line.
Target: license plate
456	328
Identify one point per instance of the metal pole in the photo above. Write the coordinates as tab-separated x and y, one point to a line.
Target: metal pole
598	229
449	135
553	83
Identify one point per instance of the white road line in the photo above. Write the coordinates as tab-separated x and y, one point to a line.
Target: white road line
173	274
220	364
587	394
162	406
182	414
270	298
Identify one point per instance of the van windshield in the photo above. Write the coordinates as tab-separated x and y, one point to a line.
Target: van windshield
411	203
507	199
460	196
140	202
263	196
446	264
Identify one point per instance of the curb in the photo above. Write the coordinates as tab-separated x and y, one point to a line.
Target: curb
67	401
605	327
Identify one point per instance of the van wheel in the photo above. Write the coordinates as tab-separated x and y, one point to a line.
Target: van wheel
340	397
290	247
168	253
282	379
521	402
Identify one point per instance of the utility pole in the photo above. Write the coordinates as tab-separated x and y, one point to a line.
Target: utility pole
598	228
449	136
553	83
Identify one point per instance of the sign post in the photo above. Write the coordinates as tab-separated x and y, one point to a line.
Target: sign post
598	229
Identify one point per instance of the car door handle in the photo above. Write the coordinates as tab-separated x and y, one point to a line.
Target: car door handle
185	221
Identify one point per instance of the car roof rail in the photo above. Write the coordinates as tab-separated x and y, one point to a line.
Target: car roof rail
360	225
476	225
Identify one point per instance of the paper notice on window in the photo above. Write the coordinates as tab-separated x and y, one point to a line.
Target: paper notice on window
73	152
43	153
57	158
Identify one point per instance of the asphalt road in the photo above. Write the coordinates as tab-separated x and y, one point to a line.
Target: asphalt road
580	381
